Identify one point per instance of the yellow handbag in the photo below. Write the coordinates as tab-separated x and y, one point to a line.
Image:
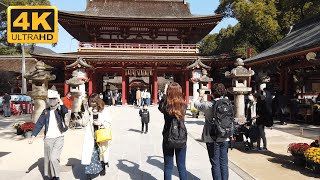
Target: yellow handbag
103	134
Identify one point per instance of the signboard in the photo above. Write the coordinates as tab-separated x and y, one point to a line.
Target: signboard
32	24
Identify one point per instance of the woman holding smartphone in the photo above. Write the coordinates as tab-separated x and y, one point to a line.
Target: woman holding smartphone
95	156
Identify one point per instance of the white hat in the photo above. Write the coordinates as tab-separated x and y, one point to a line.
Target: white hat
53	94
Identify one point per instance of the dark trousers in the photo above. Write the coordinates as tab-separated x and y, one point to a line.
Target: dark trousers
180	161
144	125
218	155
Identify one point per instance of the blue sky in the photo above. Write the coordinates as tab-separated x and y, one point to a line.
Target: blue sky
67	44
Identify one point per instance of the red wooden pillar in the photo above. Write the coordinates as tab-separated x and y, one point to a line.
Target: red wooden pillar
209	87
155	87
124	90
90	90
186	78
66	86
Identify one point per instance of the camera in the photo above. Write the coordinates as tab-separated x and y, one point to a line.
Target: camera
207	92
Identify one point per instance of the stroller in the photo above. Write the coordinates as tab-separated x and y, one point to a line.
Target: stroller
247	134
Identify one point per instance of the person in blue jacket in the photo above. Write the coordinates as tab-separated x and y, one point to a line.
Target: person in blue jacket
52	118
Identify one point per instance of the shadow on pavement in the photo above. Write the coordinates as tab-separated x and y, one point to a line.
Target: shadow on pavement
40	165
155	162
284	160
133	170
201	123
77	168
134	130
4	153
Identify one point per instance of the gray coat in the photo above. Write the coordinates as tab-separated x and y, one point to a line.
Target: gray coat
207	109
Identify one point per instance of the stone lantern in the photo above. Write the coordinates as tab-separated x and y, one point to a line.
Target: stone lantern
240	76
39	93
204	83
196	75
75	84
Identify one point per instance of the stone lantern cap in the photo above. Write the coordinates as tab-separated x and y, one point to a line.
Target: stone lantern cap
74	82
239	71
204	78
40	74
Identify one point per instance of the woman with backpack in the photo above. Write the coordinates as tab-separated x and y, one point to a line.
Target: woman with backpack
217	144
174	131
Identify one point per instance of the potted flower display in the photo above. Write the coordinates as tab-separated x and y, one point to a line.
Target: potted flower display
27	128
194	112
313	158
17	126
297	150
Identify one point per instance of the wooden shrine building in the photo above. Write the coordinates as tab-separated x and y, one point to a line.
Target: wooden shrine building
135	39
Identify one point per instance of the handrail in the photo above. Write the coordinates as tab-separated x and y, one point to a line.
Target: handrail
137	46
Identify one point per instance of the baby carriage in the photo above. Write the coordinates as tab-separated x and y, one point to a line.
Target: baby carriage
247	134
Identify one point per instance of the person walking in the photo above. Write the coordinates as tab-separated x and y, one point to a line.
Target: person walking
95	156
283	102
217	146
52	118
173	107
145	118
264	116
148	97
138	97
6	105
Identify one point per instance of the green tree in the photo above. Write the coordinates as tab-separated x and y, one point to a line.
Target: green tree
265	22
5	47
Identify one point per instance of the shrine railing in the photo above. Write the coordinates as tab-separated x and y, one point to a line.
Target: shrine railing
138	48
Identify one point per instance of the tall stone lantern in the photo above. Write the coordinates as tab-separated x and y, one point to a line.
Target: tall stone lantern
205	80
240	76
39	93
75	84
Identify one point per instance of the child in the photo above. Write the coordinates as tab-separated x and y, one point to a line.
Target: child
145	117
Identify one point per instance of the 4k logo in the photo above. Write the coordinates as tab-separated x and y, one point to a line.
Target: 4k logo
32	24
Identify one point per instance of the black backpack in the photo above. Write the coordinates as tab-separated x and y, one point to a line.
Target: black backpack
177	135
223	122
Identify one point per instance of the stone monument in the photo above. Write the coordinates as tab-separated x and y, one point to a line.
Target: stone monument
240	76
39	93
75	83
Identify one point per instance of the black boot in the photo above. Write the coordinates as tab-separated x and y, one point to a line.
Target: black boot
103	172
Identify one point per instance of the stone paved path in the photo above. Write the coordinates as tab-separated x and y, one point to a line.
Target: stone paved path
133	155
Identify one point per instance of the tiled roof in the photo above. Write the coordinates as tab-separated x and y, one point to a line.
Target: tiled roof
138	8
304	36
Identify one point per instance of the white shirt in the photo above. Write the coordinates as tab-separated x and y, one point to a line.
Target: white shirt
53	129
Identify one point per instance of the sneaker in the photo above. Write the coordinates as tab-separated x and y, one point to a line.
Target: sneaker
146	132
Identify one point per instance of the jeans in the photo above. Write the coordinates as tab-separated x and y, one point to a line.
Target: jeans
6	109
262	135
218	155
180	160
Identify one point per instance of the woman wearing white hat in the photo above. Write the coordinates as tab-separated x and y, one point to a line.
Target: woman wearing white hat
52	118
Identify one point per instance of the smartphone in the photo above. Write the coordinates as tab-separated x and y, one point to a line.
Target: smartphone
207	92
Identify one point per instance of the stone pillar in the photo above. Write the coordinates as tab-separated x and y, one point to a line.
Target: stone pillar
240	77
155	87
75	89
195	91
39	93
124	91
240	107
